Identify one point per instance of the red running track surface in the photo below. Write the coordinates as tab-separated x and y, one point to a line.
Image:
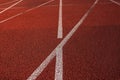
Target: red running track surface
92	53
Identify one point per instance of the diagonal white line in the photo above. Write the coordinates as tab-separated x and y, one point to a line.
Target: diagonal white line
115	2
44	64
25	12
8	2
10	6
60	26
40	5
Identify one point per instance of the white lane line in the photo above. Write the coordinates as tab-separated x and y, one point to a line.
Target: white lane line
44	64
59	51
40	5
8	2
59	64
60	27
10	18
10	6
115	2
25	12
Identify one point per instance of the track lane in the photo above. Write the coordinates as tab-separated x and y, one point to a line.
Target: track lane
93	52
5	1
22	8
23	44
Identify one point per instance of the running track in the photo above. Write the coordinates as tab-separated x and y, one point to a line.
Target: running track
53	40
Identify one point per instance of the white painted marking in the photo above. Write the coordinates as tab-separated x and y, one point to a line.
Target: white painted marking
59	64
104	3
44	64
41	5
8	2
59	51
60	27
115	2
10	6
24	12
10	18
